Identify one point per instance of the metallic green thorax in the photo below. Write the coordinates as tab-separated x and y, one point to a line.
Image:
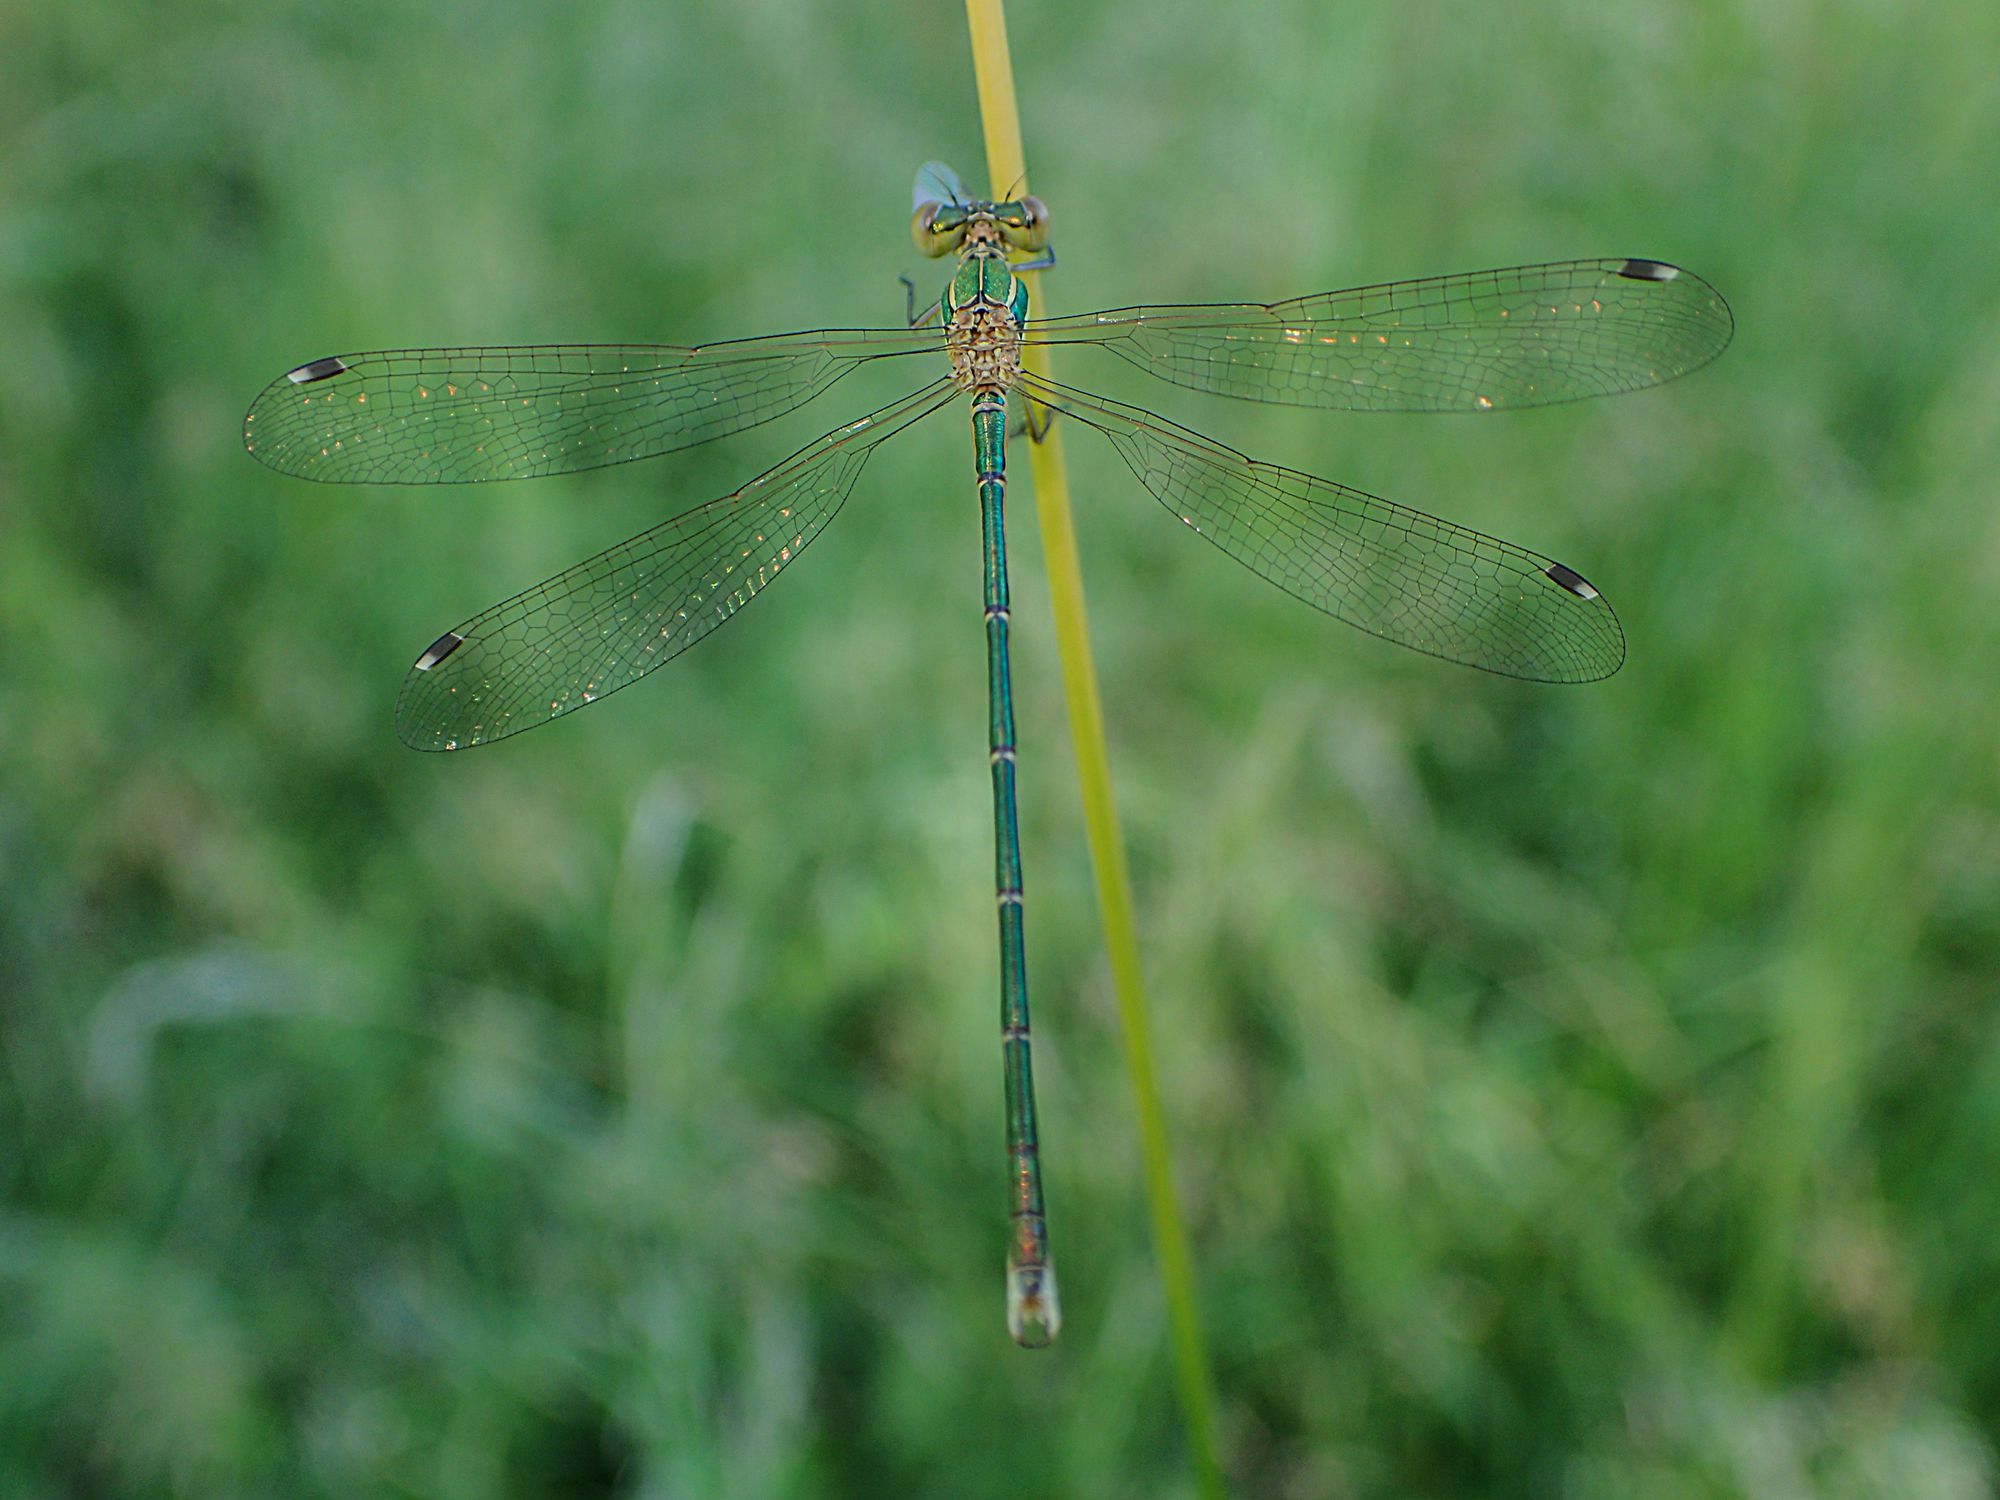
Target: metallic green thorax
985	278
983	309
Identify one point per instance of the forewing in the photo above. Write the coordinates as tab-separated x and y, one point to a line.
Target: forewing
1384	568
937	183
611	619
1478	341
456	416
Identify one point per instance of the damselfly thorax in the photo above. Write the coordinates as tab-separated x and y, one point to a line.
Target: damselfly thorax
985	304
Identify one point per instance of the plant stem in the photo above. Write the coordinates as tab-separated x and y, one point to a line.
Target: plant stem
1007	166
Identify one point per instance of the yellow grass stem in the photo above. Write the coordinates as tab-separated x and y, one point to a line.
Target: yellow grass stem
1006	164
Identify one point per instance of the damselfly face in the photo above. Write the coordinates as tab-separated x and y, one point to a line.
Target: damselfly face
946	218
941	228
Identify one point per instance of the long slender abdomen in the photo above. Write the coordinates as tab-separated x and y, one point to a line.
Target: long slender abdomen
1033	1314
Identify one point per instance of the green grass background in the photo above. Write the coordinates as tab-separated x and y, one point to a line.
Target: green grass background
1578	1093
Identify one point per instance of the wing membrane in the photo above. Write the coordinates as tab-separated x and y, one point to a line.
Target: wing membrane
1384	568
611	619
1479	341
455	416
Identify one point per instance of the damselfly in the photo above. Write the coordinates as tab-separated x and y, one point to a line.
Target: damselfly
1484	341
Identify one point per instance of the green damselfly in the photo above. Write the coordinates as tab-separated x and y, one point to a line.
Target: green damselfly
1484	341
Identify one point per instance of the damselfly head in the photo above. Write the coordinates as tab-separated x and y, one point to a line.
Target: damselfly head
941	228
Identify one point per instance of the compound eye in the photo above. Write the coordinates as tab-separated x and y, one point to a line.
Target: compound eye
932	238
1031	230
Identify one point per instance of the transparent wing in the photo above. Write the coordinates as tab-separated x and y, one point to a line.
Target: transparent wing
1383	568
1480	341
455	416
937	183
610	620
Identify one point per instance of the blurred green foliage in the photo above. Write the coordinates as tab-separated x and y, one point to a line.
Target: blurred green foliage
1582	1093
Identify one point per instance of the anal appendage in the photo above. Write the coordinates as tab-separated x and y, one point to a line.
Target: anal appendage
1034	1315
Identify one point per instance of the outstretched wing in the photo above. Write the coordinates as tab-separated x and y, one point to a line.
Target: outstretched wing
610	620
455	416
1480	341
1383	568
